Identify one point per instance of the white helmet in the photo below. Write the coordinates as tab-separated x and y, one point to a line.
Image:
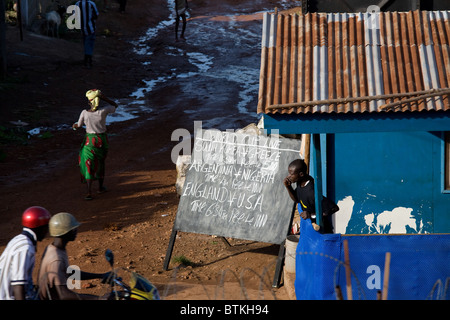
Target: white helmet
61	223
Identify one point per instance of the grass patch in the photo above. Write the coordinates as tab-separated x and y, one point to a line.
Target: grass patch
46	135
182	261
13	135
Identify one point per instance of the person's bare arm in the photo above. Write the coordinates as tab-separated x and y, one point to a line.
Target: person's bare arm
333	210
287	183
65	294
105	98
19	292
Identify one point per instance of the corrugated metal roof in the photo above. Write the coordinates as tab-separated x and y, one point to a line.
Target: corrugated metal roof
322	56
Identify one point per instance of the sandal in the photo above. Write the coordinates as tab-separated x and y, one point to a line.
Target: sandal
102	190
88	197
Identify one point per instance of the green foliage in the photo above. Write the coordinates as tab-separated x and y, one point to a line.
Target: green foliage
13	135
182	260
46	135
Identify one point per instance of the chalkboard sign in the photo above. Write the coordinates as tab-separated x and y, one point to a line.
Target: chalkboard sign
234	186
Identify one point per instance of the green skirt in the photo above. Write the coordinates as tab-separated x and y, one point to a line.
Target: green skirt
91	159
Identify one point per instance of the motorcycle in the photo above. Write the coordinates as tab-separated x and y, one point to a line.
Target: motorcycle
139	287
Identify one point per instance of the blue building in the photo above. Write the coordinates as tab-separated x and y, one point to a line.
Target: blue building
371	89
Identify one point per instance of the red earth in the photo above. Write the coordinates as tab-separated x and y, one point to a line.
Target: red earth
45	87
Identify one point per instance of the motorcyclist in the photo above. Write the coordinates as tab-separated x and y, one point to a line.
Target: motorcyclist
18	258
53	276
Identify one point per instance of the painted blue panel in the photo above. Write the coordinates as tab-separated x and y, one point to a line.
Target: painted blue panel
418	262
389	183
323	157
441	204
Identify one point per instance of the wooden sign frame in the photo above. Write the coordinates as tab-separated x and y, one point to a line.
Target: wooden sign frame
252	212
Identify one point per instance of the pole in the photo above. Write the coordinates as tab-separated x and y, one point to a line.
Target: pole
307	138
169	249
338	293
378	294
347	271
19	18
387	267
226	242
3	67
280	260
317	175
420	94
278	268
398	104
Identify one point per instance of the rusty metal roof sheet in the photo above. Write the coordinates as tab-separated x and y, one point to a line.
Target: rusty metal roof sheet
308	59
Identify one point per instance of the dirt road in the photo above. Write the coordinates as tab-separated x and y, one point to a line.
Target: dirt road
161	85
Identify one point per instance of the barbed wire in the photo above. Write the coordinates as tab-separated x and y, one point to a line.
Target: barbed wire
264	285
441	292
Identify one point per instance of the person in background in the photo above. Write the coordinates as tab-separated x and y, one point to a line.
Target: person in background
304	195
18	258
180	10
88	16
53	273
94	148
123	4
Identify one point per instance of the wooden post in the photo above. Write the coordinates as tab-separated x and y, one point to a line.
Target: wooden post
3	68
169	249
226	242
378	294
317	175
280	260
19	18
387	266
338	293
347	271
307	139
279	266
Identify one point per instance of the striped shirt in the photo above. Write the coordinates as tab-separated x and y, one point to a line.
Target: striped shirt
88	15
17	263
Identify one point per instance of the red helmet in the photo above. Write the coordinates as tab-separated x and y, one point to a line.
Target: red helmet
35	217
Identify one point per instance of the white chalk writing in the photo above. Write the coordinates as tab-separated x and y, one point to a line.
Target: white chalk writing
231	179
236	170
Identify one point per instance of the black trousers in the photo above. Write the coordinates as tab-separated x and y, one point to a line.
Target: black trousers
122	3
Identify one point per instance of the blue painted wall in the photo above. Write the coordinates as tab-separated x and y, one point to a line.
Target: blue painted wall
393	179
418	267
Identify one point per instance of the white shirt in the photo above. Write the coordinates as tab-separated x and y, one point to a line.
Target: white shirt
16	264
95	121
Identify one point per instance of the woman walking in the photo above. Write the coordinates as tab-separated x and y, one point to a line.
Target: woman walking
94	148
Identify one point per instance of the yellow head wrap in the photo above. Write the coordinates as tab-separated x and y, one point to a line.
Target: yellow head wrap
94	98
